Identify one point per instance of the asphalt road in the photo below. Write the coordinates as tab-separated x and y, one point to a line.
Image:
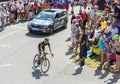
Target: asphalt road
18	47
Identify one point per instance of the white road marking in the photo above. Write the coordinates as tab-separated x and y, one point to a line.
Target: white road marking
4	45
8	34
5	65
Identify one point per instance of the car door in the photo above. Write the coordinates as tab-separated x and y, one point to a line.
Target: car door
57	21
62	18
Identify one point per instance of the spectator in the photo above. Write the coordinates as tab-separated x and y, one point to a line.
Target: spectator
20	8
92	13
85	2
73	16
78	20
109	28
78	29
116	45
3	16
117	15
102	47
108	49
73	33
114	29
83	47
103	23
72	4
101	4
58	4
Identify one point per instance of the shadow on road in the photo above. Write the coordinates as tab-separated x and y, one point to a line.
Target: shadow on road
114	79
68	39
78	71
37	74
40	34
36	35
98	72
69	52
103	75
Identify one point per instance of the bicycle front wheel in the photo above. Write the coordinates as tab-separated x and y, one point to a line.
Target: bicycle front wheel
45	65
35	61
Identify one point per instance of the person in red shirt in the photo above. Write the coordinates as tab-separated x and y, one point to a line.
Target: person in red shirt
24	14
72	4
46	5
85	2
64	5
58	4
81	20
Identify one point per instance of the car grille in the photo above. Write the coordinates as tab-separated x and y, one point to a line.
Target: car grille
37	26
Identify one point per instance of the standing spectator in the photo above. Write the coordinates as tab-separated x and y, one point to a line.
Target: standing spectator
85	2
83	16
102	47
73	16
80	3
20	8
78	20
85	19
89	2
101	4
83	47
7	15
110	15
88	15
117	15
16	12
11	2
72	4
46	5
116	45
58	4
108	48
77	35
109	28
73	34
2	16
114	29
92	13
103	23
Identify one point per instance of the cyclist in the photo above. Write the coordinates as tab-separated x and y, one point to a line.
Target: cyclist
42	45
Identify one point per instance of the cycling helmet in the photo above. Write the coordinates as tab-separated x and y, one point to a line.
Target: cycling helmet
46	39
115	37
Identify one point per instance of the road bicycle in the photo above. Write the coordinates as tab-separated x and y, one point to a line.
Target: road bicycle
43	62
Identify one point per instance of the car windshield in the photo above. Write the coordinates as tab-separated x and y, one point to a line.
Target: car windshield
45	16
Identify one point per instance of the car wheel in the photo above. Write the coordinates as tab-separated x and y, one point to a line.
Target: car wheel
51	31
65	25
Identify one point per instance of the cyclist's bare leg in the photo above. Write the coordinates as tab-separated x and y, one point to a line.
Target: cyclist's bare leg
39	55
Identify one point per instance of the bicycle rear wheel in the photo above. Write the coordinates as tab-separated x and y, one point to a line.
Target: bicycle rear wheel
45	65
35	61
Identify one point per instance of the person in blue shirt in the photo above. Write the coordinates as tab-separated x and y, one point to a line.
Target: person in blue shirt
102	47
